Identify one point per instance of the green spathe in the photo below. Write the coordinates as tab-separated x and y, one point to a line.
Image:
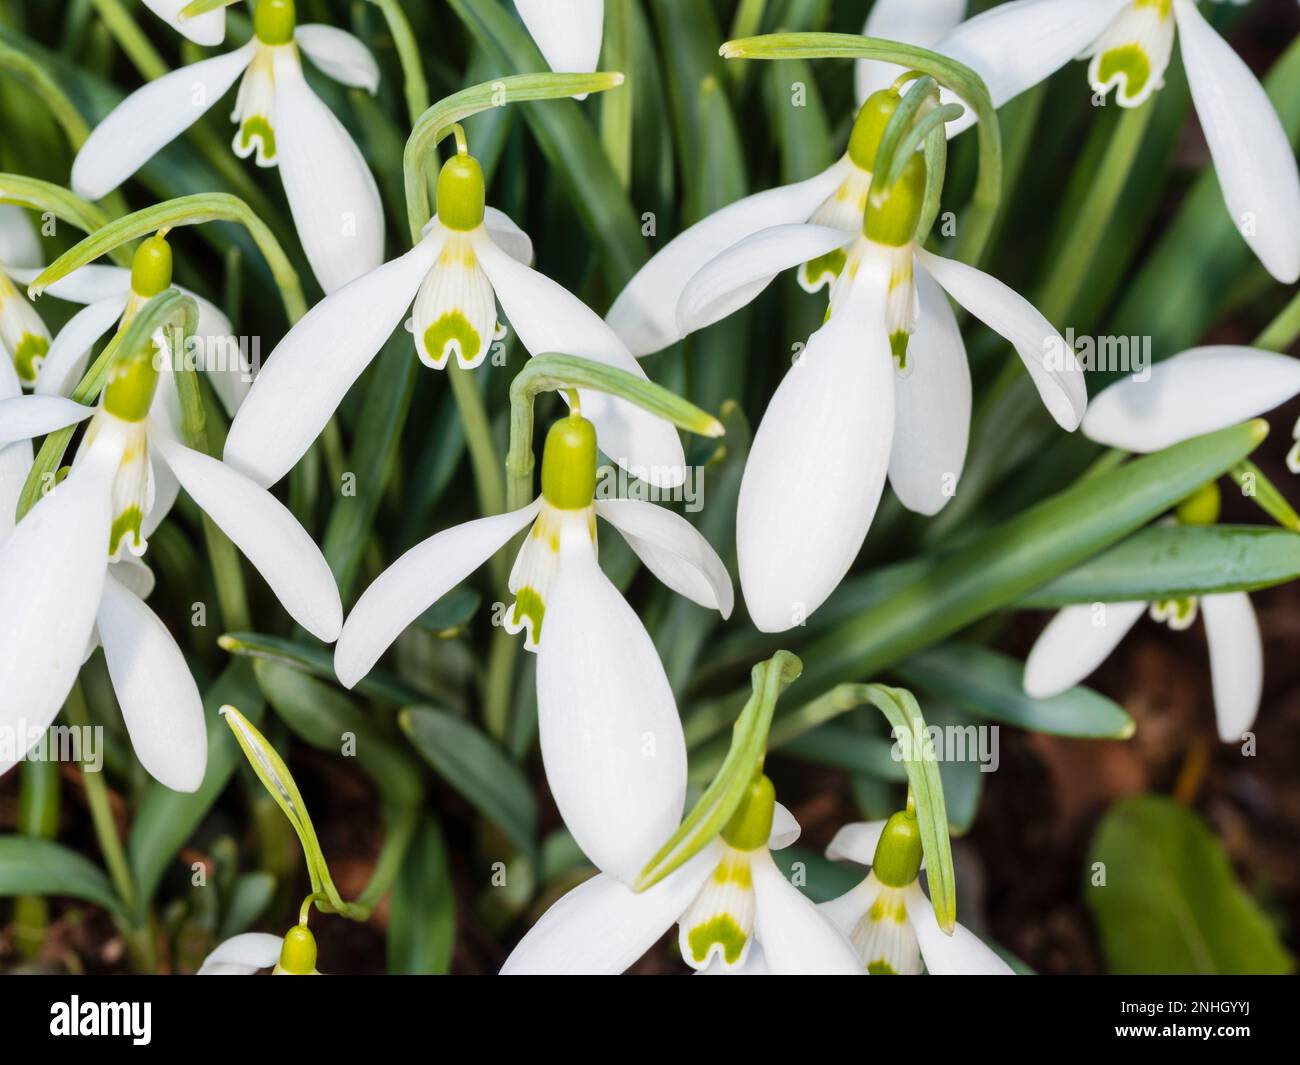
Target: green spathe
750	826
898	854
274	21
461	193
569	464
151	268
892	216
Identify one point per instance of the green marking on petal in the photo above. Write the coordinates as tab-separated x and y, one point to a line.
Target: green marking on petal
129	521
31	349
1130	63
529	606
452	327
254	128
823	269
734	872
898	346
881	968
722	930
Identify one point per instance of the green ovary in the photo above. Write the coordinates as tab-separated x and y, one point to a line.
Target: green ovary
528	604
128	522
30	349
452	326
824	267
255	128
881	968
722	930
1129	62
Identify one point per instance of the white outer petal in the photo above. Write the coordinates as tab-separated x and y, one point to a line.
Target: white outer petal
856	842
310	371
160	702
340	55
25	417
611	739
673	550
15	459
421	577
1016	45
1253	158
19	245
65	362
548	318
959	954
919	22
797	938
645	313
507	236
1195	392
817	464
1051	363
150	118
52	572
785	829
932	406
208	29
848	909
601	927
265	531
86	284
332	194
215	330
567	32
1071	646
737	276
1236	661
243	954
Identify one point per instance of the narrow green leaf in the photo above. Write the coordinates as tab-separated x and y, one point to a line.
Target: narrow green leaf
1256	486
1166	900
1173	561
67	206
31	866
451	613
989	685
422	909
477	768
249	898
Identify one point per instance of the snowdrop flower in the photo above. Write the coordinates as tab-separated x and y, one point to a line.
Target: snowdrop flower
55	583
645	314
293	954
727	901
24	340
610	735
888	918
1198	391
883	388
919	22
567	32
332	195
1016	45
208	29
470	257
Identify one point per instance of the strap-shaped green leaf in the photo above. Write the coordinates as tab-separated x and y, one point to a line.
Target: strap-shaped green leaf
32	866
62	204
744	759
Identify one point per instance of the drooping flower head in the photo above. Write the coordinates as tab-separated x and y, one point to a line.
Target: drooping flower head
293	954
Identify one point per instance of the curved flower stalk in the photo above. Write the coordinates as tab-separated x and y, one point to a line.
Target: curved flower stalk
24	338
207	29
728	901
888	918
919	22
64	570
332	194
883	388
292	954
567	32
1129	42
1193	393
470	257
611	739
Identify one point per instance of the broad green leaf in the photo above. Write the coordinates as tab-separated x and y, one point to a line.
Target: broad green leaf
31	866
451	613
422	909
1167	561
250	896
1166	900
477	768
847	748
988	685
